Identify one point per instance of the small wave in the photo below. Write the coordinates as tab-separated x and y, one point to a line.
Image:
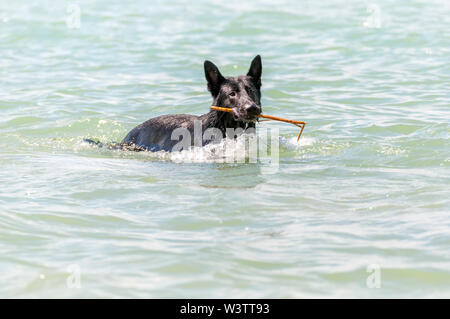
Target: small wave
244	149
227	151
291	143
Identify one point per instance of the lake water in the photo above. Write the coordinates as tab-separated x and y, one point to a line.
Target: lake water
363	201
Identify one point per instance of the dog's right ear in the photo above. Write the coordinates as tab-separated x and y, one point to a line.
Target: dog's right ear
214	78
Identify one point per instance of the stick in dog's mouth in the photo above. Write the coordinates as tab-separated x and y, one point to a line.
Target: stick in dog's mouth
300	124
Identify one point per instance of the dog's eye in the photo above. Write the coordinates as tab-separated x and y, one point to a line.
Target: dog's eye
233	94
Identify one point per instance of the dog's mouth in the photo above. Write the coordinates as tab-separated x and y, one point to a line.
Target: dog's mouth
244	117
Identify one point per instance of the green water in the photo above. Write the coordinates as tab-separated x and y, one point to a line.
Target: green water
369	183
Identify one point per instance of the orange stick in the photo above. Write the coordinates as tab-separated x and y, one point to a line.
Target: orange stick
300	124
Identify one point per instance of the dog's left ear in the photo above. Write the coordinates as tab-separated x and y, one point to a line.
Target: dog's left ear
256	71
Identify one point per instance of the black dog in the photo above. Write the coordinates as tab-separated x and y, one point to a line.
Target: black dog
241	93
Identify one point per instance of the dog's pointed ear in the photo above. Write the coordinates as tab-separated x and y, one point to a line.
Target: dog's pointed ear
214	78
256	71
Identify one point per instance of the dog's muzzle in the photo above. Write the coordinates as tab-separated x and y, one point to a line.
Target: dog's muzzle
252	111
248	113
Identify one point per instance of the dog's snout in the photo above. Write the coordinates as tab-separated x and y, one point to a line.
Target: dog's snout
253	109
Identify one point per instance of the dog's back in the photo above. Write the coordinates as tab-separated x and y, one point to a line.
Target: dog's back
156	133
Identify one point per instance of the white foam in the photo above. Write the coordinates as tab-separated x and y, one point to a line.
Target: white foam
291	143
226	151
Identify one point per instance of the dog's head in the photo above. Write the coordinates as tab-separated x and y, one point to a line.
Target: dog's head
241	93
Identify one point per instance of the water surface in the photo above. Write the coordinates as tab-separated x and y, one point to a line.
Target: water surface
368	184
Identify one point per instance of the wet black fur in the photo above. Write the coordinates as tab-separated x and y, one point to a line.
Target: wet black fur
242	93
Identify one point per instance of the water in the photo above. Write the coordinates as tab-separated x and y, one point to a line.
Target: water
364	197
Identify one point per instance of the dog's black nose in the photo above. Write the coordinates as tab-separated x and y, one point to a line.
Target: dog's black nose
253	109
